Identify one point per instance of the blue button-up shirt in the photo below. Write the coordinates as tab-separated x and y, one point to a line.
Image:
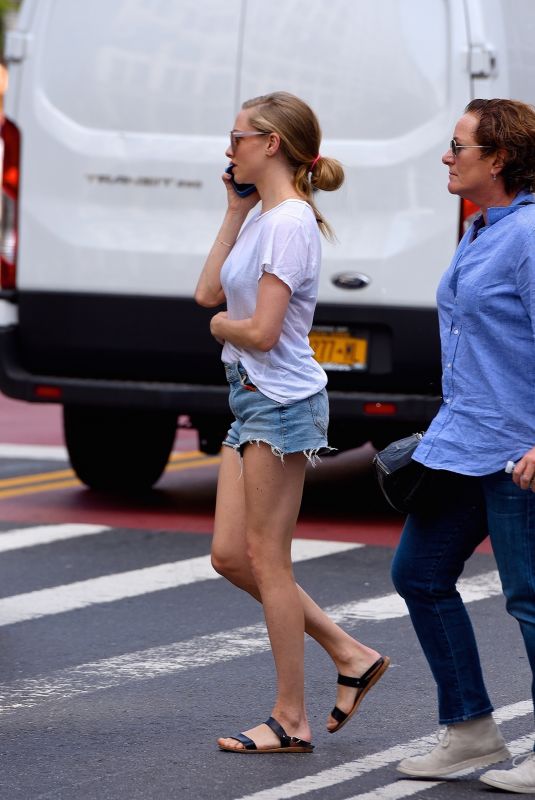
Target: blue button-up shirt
486	302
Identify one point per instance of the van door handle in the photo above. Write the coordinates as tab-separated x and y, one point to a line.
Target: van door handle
17	45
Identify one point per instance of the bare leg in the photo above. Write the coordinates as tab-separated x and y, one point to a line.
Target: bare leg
229	555
272	498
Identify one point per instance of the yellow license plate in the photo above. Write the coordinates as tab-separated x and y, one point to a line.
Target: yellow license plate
337	350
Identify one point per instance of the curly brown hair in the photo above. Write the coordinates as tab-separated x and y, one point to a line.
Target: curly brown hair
508	125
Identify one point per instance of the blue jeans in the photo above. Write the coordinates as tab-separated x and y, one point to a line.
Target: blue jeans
429	560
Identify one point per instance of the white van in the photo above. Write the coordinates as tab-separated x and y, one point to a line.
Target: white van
116	126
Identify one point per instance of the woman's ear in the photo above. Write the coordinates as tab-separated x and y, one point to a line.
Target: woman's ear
500	158
273	144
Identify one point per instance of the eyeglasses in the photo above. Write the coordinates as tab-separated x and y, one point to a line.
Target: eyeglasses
235	137
454	147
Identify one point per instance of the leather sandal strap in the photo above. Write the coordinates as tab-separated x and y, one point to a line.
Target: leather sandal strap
285	740
247	743
338	714
279	731
362	682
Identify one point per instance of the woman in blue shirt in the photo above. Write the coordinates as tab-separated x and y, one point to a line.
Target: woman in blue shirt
486	303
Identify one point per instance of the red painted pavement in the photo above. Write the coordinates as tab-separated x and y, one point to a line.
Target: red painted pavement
336	504
29	423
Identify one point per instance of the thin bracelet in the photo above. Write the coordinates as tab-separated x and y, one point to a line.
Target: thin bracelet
225	243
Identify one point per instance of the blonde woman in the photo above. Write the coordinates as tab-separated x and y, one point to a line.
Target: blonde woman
267	271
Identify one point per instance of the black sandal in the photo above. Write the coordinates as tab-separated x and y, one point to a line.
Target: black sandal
363	685
288	744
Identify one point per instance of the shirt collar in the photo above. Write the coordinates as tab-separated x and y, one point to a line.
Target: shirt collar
497	213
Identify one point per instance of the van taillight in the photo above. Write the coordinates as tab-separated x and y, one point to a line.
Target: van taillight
380	409
10	203
468	212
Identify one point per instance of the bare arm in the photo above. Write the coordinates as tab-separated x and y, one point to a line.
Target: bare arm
209	291
261	331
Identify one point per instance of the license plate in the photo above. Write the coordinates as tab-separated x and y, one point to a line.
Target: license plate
338	349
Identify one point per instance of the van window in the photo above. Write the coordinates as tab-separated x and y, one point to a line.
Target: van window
365	67
142	65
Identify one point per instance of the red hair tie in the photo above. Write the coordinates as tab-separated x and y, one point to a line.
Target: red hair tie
312	167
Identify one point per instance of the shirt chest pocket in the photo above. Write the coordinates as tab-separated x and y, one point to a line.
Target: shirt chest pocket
468	302
481	303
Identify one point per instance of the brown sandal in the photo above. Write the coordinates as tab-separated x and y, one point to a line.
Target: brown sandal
363	685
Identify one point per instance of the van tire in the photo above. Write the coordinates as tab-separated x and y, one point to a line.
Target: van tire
116	449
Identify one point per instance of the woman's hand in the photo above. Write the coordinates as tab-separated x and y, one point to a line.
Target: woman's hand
215	324
237	204
524	471
261	331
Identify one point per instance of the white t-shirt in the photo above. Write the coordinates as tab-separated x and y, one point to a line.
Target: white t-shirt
284	241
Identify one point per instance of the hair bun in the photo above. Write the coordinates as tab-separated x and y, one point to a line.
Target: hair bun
327	175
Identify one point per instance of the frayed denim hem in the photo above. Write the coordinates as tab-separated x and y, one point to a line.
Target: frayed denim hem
312	455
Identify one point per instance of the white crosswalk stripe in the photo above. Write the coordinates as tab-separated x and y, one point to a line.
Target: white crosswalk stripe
392	606
34	452
407	788
45	534
119	586
199	651
206	650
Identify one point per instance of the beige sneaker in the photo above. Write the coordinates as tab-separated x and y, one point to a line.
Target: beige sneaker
470	744
521	778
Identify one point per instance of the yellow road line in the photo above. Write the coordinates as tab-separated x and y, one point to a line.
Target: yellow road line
25	480
36	478
187	454
52	481
42	487
207	461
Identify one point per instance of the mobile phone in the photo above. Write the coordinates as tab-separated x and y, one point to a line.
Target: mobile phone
242	189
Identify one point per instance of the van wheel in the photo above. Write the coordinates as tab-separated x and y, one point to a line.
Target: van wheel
119	450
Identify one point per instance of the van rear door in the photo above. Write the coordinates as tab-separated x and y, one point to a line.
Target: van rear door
123	108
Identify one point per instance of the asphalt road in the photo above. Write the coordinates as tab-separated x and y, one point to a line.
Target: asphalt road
123	656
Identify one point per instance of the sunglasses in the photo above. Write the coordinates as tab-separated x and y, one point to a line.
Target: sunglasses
235	137
454	147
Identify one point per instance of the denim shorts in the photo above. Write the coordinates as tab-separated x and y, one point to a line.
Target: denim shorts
299	427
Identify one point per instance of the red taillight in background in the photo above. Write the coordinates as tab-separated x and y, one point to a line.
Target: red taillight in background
44	392
380	409
468	212
10	203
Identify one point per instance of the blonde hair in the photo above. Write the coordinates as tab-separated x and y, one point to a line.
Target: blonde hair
300	134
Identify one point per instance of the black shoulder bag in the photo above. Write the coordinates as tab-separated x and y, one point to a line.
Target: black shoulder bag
402	480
